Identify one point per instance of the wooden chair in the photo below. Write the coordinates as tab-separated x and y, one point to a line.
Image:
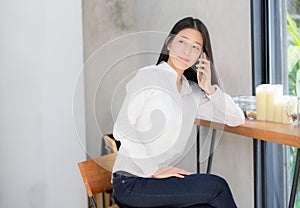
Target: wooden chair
96	174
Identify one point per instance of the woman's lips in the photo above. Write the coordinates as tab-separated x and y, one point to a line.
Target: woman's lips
184	59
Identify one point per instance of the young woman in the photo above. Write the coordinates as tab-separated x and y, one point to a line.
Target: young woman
156	120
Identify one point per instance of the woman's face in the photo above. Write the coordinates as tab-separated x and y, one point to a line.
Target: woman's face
185	49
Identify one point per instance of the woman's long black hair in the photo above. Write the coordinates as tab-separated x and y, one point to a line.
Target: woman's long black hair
190	22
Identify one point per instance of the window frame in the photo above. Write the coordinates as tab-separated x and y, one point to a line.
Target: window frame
267	24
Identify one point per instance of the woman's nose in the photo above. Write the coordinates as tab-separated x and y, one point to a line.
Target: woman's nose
187	49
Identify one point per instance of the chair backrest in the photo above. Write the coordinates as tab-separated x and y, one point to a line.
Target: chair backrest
96	173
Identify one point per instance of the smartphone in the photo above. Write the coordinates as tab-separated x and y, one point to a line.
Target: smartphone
196	70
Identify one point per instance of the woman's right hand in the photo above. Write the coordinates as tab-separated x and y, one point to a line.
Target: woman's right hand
204	75
170	171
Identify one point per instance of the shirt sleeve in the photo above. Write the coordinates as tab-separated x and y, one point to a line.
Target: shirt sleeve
218	107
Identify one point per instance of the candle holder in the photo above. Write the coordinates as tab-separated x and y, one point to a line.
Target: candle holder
292	110
251	108
248	105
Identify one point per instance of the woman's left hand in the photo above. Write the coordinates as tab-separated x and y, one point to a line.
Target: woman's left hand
204	75
170	171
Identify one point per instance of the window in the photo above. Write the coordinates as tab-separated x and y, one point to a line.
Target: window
276	59
283	61
293	45
292	13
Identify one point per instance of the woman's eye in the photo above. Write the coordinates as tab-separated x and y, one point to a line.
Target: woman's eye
181	41
196	48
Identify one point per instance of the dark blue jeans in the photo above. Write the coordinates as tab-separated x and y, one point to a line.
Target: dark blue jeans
197	190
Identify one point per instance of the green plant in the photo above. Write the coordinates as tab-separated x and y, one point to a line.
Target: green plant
293	57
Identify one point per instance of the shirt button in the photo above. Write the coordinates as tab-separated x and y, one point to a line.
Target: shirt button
123	181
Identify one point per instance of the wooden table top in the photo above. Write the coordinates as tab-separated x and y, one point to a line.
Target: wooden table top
262	130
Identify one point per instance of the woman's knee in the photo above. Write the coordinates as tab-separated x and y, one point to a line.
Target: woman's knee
220	182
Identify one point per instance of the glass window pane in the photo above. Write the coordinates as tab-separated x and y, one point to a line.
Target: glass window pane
293	64
293	44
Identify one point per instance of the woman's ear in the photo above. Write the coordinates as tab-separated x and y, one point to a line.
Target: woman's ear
168	42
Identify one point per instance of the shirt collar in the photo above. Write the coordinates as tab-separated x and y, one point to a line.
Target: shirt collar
186	88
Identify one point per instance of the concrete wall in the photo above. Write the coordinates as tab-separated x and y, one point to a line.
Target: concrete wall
41	56
110	56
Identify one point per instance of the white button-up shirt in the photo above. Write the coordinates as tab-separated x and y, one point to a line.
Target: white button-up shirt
155	121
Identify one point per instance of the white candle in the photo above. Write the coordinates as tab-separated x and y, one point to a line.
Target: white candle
278	110
273	93
261	102
270	101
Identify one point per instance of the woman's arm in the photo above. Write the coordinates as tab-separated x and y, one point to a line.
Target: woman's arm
214	104
218	107
224	108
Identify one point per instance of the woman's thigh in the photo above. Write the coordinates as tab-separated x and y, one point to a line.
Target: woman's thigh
191	191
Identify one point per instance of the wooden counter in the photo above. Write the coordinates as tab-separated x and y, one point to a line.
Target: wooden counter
267	131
